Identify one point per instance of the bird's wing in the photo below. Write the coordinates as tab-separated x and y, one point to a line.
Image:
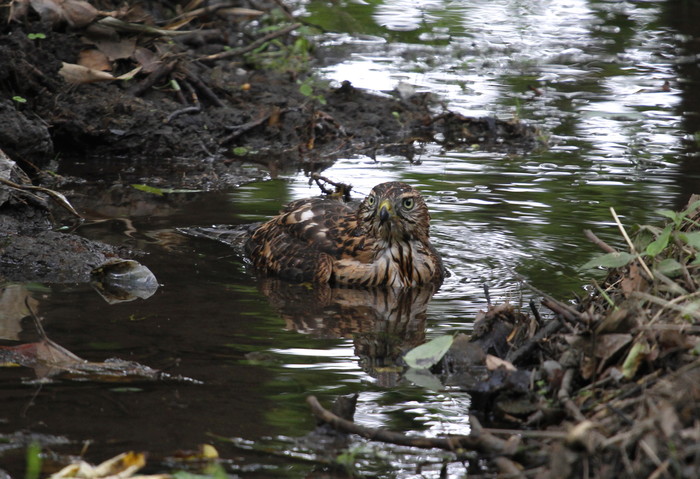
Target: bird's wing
301	243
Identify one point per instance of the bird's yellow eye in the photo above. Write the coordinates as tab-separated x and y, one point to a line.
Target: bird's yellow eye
371	200
408	203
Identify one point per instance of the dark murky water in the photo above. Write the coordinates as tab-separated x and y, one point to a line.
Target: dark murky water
618	139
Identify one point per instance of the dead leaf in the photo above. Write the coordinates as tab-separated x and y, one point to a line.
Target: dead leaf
613	322
122	466
667	419
48	10
493	363
78	74
607	345
633	281
634	358
78	13
148	60
13	309
18	10
94	60
117	50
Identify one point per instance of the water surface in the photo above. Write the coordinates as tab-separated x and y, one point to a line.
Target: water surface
591	75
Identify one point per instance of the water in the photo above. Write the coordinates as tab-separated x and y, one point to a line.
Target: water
617	138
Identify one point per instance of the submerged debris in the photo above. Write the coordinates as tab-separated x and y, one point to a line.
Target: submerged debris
452	129
51	361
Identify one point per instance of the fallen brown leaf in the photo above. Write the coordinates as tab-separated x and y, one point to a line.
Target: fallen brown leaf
94	60
493	363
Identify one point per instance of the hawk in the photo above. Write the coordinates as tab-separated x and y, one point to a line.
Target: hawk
383	242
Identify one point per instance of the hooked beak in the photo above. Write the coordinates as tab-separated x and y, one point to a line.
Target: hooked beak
386	211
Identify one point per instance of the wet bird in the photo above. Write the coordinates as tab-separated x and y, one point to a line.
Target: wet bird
383	242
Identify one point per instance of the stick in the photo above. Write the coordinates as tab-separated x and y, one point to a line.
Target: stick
479	441
630	244
524	350
599	242
251	46
204	90
161	71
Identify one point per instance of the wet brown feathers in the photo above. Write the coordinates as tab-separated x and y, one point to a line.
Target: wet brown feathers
383	242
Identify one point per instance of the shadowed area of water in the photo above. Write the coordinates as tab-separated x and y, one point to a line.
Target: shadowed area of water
591	75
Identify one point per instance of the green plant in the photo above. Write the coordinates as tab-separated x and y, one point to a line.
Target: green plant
19	99
33	470
36	36
240	151
655	243
309	88
275	54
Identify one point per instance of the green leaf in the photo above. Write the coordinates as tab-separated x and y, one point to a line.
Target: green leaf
660	243
19	99
427	355
161	191
306	89
670	267
677	218
149	189
240	151
633	359
424	378
692	239
609	260
33	470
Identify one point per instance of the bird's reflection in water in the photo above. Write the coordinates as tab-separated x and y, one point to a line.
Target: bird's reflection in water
384	323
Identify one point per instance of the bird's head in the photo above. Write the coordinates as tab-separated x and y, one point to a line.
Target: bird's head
395	211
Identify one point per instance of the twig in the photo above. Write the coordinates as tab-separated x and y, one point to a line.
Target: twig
204	90
241	129
508	468
215	8
622	230
599	242
535	311
285	10
571	316
565	398
630	244
196	108
665	304
163	70
252	46
54	195
343	188
479	441
122	26
528	433
189	109
523	351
